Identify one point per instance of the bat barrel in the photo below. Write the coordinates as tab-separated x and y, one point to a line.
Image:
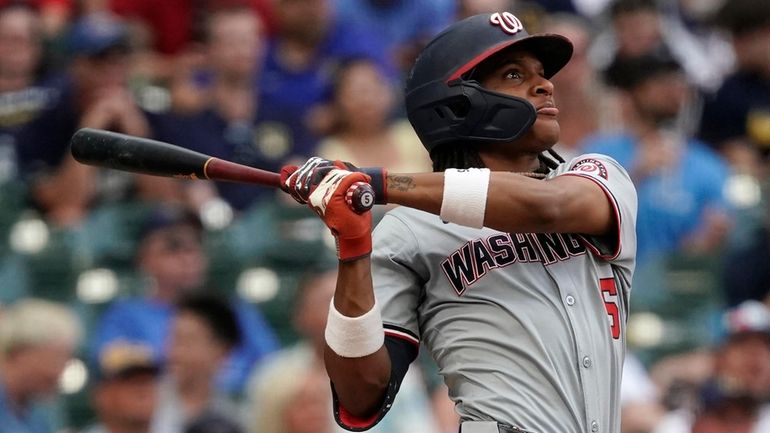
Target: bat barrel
136	154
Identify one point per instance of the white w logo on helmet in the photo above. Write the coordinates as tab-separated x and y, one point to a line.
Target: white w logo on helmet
507	21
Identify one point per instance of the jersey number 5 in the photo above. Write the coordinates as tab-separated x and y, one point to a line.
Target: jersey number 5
610	296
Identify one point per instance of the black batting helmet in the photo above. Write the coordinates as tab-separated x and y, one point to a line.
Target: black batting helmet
444	106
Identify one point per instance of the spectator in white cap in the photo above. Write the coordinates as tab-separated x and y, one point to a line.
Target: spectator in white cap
37	338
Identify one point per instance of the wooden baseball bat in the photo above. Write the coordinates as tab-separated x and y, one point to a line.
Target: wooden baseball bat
143	155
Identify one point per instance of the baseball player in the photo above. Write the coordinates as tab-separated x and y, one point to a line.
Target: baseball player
513	268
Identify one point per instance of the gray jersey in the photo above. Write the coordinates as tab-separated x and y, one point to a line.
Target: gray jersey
527	329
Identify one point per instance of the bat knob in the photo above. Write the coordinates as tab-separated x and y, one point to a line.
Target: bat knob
360	197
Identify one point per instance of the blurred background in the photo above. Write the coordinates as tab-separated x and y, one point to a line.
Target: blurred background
134	304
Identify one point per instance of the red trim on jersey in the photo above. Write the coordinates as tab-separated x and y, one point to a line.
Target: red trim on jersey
351	421
401	336
478	59
595	251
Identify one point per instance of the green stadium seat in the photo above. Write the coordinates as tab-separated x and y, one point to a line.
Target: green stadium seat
683	293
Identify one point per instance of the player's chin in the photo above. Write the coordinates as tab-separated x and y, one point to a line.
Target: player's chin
546	130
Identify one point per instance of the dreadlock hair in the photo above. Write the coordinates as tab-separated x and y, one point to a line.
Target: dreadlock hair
457	155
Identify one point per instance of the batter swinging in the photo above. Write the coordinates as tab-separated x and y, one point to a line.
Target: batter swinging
511	266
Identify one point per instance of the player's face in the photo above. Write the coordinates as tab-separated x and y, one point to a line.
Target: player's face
521	74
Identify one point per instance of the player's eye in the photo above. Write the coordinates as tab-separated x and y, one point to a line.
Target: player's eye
513	74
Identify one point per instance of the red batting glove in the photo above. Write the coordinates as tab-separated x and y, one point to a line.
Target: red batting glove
352	231
299	182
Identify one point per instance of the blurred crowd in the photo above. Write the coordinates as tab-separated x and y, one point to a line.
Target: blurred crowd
139	304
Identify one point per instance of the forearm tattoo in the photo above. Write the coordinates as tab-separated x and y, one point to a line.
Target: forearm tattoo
401	183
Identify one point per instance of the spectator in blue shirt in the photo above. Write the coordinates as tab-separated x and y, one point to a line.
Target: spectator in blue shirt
300	62
405	25
678	179
172	259
37	339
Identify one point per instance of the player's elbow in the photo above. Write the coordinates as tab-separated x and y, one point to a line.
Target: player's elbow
363	400
360	383
365	406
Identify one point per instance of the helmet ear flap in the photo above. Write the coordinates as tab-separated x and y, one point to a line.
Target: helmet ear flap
498	117
464	111
454	109
435	112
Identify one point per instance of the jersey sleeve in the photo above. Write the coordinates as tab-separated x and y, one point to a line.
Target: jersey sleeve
397	287
608	174
397	278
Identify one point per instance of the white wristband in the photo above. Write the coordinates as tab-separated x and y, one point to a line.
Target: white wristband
354	337
465	196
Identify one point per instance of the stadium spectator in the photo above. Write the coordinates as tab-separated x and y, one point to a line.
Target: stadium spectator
296	384
170	29
639	27
20	96
300	60
735	118
55	14
203	333
734	396
586	105
172	259
295	377
37	339
364	131
679	180
20	49
94	93
124	389
641	408
173	24
404	25
722	412
218	114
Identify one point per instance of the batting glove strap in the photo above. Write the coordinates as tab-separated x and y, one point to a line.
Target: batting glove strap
379	179
352	249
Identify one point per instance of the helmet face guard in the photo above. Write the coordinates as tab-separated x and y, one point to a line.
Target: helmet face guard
444	107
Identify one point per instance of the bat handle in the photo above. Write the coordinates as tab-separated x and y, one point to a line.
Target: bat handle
360	197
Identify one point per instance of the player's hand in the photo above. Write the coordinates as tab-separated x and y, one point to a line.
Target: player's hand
299	181
330	199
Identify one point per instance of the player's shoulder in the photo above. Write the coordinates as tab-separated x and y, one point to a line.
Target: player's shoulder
598	164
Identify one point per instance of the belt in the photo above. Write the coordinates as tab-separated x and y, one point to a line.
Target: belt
488	427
